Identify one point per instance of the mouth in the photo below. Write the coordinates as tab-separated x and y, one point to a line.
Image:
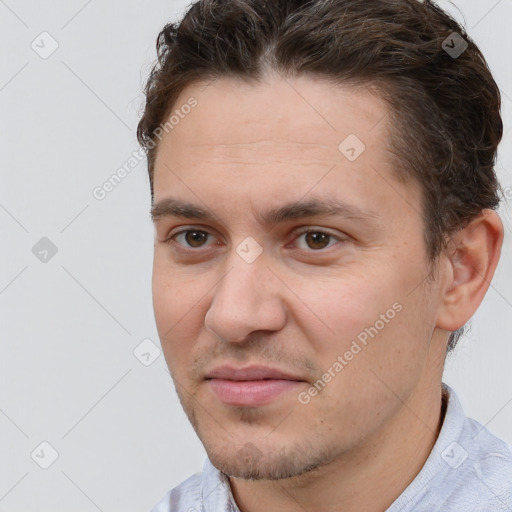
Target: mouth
251	386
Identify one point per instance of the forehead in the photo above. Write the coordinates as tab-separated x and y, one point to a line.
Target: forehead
280	112
277	141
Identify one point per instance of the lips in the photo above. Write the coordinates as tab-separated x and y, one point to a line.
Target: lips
251	386
250	373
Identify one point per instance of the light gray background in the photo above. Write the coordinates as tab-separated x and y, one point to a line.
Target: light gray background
70	325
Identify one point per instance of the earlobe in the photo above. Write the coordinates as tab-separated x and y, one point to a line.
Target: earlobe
471	258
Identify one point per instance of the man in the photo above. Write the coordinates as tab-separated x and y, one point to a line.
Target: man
324	196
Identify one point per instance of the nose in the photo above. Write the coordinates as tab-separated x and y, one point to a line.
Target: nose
248	298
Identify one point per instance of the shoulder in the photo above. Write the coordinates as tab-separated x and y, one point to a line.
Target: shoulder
206	491
186	497
469	468
484	468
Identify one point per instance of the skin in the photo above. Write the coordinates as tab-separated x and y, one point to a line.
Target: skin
243	150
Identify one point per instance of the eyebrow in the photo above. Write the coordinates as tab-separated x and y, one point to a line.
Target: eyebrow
171	207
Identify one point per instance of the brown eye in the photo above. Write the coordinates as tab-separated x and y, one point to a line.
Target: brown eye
190	239
313	239
195	238
317	240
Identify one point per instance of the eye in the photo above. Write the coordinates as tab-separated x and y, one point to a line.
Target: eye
189	238
310	239
316	240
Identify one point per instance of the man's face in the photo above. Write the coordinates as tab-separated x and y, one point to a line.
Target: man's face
345	306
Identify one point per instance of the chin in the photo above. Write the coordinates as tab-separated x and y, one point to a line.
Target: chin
250	462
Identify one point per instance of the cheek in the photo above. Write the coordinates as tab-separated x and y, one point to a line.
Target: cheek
175	302
379	315
180	305
163	298
340	308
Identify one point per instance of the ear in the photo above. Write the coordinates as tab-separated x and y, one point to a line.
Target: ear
468	266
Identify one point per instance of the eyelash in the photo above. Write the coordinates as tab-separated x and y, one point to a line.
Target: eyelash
170	240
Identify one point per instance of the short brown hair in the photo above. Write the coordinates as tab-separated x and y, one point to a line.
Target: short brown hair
445	107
